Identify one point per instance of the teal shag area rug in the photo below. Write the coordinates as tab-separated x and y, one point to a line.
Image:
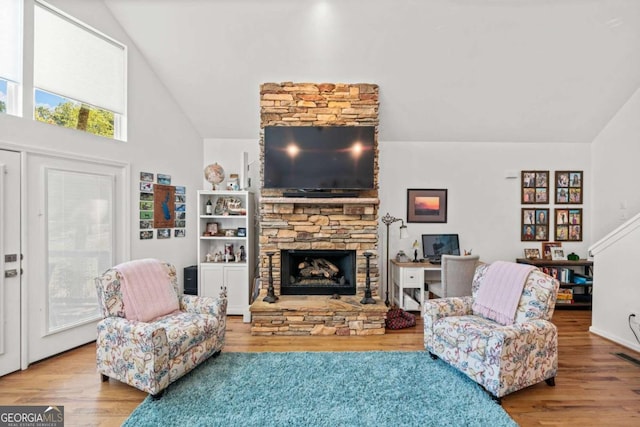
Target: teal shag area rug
375	388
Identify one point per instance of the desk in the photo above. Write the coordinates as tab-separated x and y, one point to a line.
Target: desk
407	282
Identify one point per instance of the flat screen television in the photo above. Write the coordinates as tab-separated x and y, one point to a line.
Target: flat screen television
319	157
436	245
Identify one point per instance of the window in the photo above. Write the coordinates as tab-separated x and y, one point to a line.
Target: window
69	113
80	243
79	75
10	56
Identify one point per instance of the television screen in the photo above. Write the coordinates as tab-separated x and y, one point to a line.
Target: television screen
435	245
319	157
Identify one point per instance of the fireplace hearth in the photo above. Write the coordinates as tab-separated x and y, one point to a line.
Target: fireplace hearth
318	272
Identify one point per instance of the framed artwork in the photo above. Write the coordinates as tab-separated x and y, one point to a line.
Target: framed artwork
568	224
547	247
557	253
534	224
164	207
535	187
532	253
426	205
569	188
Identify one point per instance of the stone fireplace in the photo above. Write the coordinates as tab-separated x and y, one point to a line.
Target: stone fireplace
299	225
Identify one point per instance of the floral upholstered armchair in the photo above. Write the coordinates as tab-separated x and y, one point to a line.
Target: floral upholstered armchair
160	342
501	358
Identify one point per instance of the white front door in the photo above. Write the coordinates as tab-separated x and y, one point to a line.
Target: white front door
10	262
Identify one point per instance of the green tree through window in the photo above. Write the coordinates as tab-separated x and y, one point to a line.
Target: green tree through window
68	114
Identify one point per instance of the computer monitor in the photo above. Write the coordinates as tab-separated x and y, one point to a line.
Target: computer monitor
435	245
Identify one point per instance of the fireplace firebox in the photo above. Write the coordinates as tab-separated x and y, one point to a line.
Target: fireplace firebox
318	272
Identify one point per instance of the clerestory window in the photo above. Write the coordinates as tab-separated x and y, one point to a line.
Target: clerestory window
79	75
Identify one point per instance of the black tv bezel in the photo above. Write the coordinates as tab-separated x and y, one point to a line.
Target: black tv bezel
320	191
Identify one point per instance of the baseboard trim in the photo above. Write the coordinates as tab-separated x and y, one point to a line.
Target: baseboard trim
615	339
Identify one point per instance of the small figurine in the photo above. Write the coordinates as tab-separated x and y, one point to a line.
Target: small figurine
208	257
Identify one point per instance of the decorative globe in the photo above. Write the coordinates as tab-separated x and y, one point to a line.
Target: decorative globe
214	174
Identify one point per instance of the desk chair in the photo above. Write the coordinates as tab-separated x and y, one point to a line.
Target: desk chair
456	277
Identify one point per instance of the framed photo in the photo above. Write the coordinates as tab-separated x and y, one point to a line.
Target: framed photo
535	224
426	205
547	247
164	233
164	179
532	253
242	232
535	187
212	229
146	234
146	176
557	253
569	187
568	224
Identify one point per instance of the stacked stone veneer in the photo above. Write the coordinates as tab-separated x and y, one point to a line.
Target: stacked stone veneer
324	223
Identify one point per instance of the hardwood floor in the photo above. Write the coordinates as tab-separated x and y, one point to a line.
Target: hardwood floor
594	387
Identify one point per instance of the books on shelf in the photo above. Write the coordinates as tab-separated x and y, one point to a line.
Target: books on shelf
581	279
565	296
562	274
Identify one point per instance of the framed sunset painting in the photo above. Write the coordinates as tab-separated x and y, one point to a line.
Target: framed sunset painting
426	205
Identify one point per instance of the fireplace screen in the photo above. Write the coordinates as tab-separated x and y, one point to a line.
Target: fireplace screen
318	272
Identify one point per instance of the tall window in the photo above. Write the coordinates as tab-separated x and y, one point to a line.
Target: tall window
10	56
79	75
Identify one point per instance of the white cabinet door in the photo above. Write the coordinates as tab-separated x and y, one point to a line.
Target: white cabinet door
235	279
212	280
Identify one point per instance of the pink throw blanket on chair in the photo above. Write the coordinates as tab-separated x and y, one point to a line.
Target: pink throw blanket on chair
147	291
500	293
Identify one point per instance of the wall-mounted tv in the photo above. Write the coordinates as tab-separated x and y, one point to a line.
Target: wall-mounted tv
319	157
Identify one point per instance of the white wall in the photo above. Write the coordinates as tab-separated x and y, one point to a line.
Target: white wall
227	153
483	205
161	139
616	151
617	296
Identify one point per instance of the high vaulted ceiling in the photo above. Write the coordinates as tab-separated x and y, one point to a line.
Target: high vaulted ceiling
448	70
